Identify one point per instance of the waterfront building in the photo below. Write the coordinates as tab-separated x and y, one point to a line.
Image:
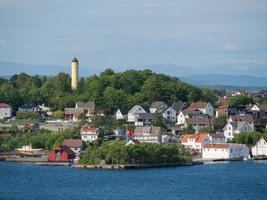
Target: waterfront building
260	149
5	111
62	154
225	151
89	134
148	134
74	73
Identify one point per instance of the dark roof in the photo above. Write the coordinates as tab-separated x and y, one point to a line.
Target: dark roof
65	148
265	138
146	116
73	143
178	106
28	106
124	111
75	59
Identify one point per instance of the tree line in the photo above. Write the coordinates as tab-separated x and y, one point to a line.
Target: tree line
109	90
116	152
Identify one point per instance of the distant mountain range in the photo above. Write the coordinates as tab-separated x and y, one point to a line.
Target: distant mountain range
214	75
228	80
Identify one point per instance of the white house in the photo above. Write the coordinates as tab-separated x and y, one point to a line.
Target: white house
76	145
181	118
205	108
89	134
5	111
196	141
169	114
148	134
121	113
233	128
225	151
182	115
135	110
158	106
260	149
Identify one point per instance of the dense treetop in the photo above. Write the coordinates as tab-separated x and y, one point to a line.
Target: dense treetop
109	90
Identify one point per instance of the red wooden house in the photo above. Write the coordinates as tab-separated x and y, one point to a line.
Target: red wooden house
61	153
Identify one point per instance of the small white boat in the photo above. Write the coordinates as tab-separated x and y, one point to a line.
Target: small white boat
28	150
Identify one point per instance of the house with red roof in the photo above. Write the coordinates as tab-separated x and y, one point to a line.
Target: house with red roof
5	111
89	134
225	151
196	141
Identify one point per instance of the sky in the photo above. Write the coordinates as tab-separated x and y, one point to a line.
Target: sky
124	34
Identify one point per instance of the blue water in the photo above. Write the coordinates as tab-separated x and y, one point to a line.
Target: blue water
236	180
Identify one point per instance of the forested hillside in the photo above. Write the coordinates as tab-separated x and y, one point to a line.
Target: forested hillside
110	90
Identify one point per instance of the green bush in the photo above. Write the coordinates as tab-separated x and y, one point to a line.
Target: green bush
27	115
116	152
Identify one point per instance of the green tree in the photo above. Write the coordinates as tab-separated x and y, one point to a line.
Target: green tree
58	114
240	100
220	122
158	120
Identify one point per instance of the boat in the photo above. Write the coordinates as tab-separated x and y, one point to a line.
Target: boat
29	151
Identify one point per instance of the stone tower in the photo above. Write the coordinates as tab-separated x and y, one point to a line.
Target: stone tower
74	73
